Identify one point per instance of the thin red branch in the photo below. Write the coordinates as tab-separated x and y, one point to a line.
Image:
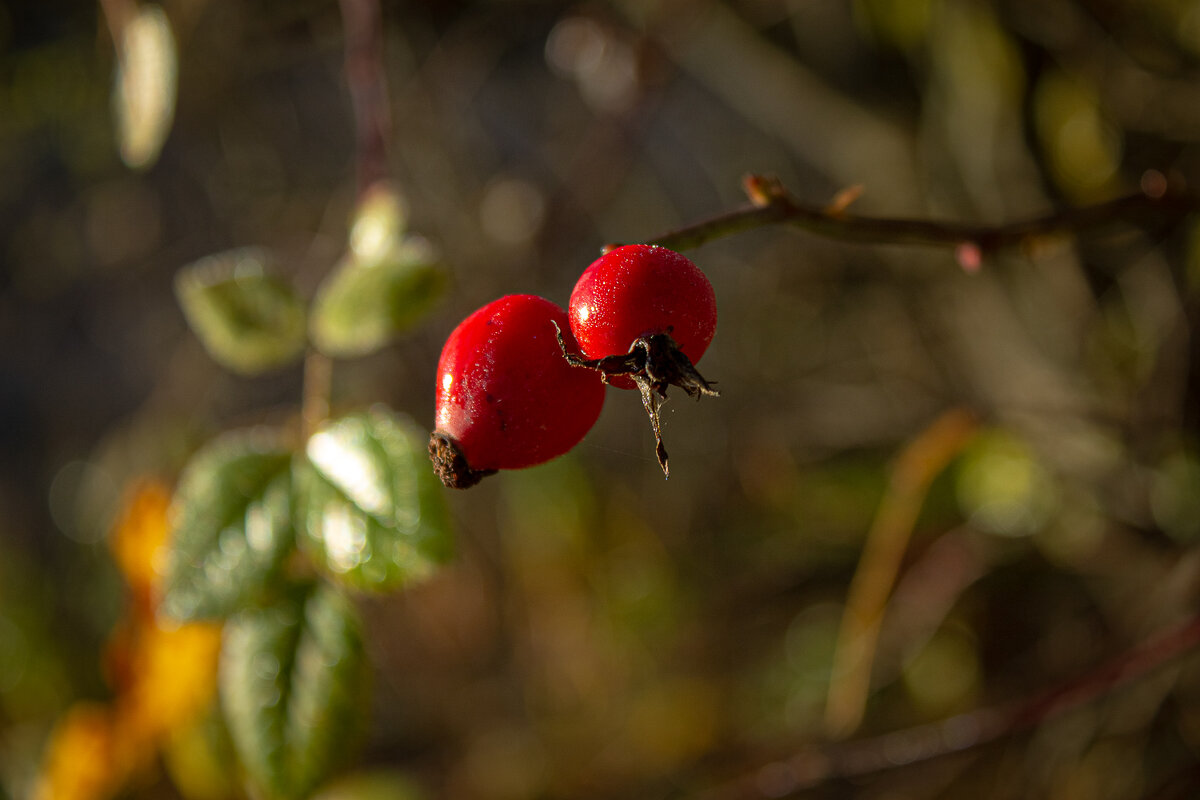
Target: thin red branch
363	31
814	766
362	23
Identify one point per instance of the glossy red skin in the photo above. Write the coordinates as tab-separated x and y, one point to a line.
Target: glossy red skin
505	393
637	290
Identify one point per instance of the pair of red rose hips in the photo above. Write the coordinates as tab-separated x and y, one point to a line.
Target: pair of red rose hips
520	381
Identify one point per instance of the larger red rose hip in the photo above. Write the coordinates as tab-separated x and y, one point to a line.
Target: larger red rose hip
506	397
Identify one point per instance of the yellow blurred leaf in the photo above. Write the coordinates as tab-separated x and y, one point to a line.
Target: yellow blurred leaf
164	676
174	680
168	671
79	762
138	537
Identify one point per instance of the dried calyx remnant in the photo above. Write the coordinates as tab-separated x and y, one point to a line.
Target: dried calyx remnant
451	465
653	363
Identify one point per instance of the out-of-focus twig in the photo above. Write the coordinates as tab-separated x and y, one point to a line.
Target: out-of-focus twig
117	16
363	31
771	204
735	60
811	767
362	24
920	462
318	384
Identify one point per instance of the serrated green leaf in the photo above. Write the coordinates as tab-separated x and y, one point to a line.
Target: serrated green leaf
247	319
232	525
292	681
368	507
365	302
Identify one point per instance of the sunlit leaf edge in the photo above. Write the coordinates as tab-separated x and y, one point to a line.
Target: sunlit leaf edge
423	541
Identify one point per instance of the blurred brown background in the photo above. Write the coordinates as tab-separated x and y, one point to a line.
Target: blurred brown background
604	633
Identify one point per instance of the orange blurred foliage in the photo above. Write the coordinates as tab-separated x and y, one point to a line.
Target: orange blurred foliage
139	538
79	763
163	675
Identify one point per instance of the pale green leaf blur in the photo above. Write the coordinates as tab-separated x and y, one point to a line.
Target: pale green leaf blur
375	294
597	631
146	84
368	507
248	319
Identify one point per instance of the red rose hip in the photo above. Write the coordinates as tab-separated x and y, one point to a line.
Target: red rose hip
643	315
636	291
506	397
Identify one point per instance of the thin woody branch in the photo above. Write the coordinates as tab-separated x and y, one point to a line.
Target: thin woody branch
804	770
771	204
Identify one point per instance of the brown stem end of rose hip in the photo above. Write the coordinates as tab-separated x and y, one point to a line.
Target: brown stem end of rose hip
653	363
450	465
664	364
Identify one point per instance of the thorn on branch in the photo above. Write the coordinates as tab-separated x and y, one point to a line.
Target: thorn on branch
842	200
763	190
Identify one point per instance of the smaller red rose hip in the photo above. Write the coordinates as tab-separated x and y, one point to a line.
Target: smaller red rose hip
636	291
506	398
643	316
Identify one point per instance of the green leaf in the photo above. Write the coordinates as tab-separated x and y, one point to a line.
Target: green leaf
247	319
293	688
367	301
369	509
232	525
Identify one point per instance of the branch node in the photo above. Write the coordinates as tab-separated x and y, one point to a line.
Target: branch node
969	256
763	190
842	201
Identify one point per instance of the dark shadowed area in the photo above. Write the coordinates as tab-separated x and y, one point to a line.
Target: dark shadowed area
937	537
